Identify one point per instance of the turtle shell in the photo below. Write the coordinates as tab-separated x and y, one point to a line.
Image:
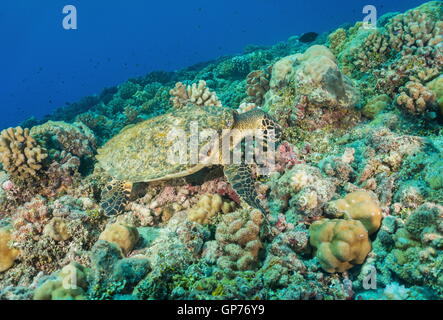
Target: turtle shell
142	153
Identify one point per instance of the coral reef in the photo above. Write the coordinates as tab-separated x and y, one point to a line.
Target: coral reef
357	188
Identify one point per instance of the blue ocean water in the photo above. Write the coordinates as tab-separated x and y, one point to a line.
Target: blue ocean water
43	66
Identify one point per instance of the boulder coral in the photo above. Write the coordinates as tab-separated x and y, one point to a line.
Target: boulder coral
238	237
124	236
360	206
339	244
303	189
20	154
314	74
436	87
197	94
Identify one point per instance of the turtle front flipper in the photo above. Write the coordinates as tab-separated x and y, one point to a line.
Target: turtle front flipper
240	178
115	197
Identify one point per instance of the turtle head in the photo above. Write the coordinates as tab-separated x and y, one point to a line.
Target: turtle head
259	120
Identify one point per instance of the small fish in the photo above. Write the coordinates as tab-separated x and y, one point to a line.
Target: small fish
308	37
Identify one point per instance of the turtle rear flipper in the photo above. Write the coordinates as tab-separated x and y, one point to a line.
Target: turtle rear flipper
240	178
115	197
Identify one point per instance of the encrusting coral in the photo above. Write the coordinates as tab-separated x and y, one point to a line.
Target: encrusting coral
339	244
68	284
20	154
238	238
208	206
376	105
7	253
197	94
57	229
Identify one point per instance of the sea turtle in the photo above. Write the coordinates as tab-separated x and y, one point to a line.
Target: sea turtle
141	153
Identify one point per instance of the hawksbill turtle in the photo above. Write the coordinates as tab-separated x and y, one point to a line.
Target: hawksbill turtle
140	153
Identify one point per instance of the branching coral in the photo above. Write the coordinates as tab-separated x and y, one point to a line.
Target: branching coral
416	99
415	30
366	50
208	206
238	237
197	94
340	244
336	40
20	154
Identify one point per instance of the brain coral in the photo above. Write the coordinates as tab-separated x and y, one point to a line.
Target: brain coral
360	206
20	154
238	237
340	244
7	254
208	206
197	94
